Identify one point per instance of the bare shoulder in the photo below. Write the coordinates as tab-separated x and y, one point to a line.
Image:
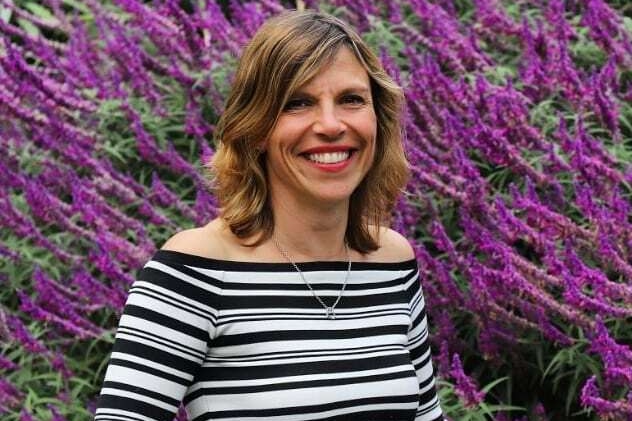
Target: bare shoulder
394	247
207	241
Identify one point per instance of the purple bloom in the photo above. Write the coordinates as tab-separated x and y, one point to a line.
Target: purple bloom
59	364
10	396
465	387
25	415
7	364
605	408
22	335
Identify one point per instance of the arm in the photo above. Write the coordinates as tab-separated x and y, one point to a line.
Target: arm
419	348
429	409
160	343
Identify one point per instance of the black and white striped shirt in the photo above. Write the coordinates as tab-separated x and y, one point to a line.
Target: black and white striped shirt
240	341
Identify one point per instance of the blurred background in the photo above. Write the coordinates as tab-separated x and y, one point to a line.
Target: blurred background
519	133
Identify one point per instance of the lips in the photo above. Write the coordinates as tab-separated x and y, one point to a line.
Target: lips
329	154
329	158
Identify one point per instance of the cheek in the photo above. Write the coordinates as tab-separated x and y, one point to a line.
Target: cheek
372	132
366	125
372	123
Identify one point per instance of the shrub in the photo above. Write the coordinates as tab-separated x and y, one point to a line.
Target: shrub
519	132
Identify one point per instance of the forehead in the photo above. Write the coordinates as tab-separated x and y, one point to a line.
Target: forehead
343	69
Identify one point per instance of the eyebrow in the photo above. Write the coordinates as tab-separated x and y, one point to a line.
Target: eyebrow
348	90
362	90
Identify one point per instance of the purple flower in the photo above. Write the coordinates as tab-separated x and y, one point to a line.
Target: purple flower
465	387
25	415
10	396
605	408
22	335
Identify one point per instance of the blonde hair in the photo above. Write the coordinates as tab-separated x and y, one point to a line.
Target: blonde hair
285	53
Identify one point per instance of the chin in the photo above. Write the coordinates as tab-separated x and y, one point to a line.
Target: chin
333	198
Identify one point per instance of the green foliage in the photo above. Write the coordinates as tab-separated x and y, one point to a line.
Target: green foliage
455	409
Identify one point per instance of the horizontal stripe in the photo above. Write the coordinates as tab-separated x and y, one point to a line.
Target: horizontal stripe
248	341
235	390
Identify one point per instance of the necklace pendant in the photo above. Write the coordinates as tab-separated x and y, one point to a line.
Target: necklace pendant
329	313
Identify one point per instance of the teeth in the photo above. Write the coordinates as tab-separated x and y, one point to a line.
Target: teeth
328	158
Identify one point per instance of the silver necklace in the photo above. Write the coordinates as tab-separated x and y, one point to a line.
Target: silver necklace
329	310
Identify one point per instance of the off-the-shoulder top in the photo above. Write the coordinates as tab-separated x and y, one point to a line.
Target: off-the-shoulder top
244	341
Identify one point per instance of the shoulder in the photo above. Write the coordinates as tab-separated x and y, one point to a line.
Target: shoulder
207	241
394	247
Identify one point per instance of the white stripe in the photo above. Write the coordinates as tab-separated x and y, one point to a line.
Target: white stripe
358	277
163	332
334	292
138	397
313	395
153	364
146	289
321	324
231	314
273	346
298	360
280	355
166	348
302	378
183	277
324	414
121	415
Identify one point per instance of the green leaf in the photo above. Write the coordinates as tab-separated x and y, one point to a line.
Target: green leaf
28	27
491	385
78	5
5	13
40	11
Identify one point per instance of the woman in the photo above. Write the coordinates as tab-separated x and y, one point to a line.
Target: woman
294	304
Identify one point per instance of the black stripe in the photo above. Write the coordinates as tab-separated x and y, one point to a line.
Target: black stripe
296	315
309	409
281	355
300	286
302	384
134	406
300	335
150	370
154	354
302	368
428	396
430	409
417	352
179	286
238	302
167	321
142	391
383	415
228	265
172	301
103	415
139	333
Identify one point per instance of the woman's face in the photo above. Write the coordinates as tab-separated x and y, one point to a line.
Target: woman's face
324	141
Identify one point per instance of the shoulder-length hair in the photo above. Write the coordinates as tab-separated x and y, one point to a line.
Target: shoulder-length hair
285	53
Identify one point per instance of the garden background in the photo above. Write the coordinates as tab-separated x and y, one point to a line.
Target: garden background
519	132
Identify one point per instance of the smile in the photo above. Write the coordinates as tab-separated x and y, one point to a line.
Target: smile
329	157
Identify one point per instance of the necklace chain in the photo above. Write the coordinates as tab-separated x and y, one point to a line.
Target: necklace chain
329	310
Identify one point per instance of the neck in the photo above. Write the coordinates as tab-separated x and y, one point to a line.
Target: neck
309	232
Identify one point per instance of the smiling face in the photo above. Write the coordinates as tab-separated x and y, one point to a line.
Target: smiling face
323	143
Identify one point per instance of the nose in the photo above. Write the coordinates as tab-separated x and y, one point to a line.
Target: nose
328	122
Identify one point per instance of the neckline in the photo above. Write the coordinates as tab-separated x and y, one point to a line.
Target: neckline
236	265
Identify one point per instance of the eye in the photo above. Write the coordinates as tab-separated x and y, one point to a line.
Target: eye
296	104
353	99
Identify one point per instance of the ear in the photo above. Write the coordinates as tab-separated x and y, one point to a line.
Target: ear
261	146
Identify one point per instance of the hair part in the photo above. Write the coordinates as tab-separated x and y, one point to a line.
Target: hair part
285	53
